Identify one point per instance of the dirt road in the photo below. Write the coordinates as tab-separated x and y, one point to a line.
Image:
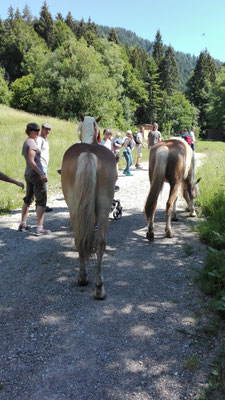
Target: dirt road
57	342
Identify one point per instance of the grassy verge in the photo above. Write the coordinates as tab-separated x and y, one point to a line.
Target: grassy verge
212	227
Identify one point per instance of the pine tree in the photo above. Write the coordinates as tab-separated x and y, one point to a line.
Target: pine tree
27	15
155	93
199	84
169	72
80	29
10	18
70	22
158	52
112	37
17	14
59	17
44	27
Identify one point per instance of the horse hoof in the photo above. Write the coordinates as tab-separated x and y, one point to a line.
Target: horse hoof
175	218
82	282
99	293
193	214
169	234
150	236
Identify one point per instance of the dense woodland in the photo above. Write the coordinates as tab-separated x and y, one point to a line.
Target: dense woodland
59	66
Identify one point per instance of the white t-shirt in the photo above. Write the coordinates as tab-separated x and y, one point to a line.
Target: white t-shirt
43	146
107	143
192	134
139	138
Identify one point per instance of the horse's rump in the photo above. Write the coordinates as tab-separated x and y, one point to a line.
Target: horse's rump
170	161
85	168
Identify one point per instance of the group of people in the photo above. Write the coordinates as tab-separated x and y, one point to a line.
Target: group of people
36	153
128	143
189	137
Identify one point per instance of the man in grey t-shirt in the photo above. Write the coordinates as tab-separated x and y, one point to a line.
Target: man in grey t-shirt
154	136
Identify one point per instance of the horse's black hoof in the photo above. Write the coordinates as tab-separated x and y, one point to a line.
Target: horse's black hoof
99	292
175	219
150	236
82	282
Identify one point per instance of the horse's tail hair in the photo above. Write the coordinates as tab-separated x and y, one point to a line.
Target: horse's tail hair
157	180
84	204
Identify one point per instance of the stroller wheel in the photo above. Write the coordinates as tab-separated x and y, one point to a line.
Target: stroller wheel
117	214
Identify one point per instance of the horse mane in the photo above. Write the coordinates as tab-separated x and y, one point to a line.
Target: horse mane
88	130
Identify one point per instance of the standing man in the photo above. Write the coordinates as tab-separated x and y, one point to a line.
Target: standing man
154	136
139	144
192	134
43	145
117	144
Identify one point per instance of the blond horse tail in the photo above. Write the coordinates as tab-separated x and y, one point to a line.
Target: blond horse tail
157	180
83	214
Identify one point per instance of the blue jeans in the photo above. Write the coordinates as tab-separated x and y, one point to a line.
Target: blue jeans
129	160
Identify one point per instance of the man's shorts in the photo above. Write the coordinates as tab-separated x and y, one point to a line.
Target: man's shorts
35	188
139	150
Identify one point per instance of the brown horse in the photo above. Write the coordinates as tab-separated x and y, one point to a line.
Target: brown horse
170	161
88	178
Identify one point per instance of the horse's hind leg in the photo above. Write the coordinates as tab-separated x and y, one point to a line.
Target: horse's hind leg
174	212
169	209
82	277
99	290
151	215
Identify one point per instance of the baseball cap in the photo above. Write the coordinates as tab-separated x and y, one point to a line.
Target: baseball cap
107	131
129	131
46	125
118	134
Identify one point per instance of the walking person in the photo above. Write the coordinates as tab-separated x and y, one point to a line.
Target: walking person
192	134
128	144
35	180
154	136
139	144
42	142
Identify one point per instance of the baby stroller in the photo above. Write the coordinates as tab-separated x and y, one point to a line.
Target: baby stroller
116	209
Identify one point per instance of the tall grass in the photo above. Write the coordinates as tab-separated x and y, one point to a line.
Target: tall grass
212	227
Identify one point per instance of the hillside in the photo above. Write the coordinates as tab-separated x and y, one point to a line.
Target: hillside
186	62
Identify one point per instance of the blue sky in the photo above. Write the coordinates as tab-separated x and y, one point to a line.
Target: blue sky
189	26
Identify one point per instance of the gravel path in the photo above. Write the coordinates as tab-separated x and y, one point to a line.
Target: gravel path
141	343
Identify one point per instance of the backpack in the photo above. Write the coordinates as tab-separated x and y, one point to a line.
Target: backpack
187	137
135	138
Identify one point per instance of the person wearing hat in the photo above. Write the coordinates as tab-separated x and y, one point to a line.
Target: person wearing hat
117	144
42	142
139	144
128	144
35	180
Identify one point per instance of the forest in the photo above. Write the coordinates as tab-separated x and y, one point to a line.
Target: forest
59	67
